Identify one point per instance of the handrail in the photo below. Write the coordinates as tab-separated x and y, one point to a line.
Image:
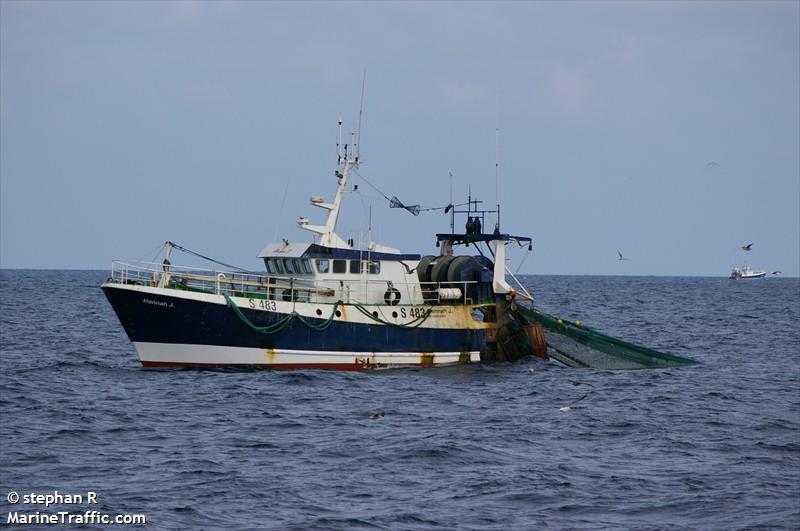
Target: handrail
290	288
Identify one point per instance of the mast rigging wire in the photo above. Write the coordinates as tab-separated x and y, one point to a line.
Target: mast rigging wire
394	202
203	257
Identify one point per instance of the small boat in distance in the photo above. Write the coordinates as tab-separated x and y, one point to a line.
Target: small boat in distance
746	272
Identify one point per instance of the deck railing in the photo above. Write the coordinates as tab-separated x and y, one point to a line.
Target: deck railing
288	288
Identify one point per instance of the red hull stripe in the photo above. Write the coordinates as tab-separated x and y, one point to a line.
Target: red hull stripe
283	366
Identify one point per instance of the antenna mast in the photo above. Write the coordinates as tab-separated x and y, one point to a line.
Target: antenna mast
497	174
347	158
452	213
339	144
360	113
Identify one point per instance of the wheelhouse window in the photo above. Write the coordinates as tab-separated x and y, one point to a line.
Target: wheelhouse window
374	267
355	267
323	266
290	266
340	266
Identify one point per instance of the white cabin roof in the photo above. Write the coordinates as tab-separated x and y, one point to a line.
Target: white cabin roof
284	248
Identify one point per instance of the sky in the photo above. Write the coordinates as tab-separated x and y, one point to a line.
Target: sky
668	131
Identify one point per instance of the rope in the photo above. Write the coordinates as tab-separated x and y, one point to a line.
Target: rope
189	251
522	262
154	254
419	209
371	185
412	324
522	288
283	321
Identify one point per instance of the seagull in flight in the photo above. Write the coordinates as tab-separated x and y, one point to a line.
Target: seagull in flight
620	256
568	407
711	164
748	247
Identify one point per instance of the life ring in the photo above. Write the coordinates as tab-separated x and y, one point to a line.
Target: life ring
392	296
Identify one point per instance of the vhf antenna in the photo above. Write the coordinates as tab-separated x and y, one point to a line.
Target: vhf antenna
451	208
497	174
357	149
339	144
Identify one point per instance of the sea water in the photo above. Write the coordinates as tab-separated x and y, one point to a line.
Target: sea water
526	445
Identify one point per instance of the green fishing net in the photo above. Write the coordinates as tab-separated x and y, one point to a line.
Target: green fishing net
576	345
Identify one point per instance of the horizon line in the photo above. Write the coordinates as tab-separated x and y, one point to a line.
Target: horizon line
3	268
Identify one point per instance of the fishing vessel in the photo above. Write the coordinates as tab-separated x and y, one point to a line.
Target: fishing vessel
746	272
335	303
328	303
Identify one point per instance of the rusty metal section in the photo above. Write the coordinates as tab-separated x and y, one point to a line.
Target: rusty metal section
455	316
438	316
512	339
516	341
426	359
512	342
537	340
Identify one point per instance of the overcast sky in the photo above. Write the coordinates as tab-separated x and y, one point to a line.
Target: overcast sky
669	131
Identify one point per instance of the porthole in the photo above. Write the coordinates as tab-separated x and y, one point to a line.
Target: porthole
394	314
319	312
338	313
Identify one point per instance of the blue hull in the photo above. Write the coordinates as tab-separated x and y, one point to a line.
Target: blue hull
174	320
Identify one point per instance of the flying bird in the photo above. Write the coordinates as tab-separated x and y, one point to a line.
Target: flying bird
748	247
569	406
712	164
621	257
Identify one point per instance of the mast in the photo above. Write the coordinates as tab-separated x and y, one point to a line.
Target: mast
497	175
450	205
347	158
357	147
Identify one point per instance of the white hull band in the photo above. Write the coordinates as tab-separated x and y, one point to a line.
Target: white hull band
182	355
